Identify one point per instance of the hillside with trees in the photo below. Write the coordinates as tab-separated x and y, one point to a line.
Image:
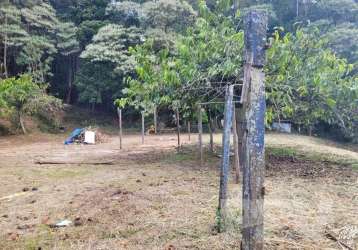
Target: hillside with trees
92	53
178	124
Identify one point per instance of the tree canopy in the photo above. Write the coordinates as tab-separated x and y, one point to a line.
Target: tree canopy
178	53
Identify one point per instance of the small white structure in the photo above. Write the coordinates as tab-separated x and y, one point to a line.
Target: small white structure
283	127
90	137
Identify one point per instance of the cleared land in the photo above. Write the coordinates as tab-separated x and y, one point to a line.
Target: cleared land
154	198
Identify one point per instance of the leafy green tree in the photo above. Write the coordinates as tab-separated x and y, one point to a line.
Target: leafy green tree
307	84
97	84
87	30
111	44
109	49
68	48
78	11
36	56
204	61
337	11
168	14
12	34
28	38
127	13
21	96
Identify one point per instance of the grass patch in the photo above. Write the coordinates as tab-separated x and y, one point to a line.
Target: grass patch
281	152
57	173
176	157
128	232
190	154
122	233
355	166
42	240
289	152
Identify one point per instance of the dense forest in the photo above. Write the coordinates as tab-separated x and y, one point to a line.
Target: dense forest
174	53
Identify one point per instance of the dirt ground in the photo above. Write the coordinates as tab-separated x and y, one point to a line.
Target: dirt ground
150	197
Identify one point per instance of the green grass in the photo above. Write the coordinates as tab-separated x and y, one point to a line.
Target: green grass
281	152
355	166
176	157
42	239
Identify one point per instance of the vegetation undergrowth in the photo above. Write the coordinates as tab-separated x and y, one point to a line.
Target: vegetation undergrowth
297	154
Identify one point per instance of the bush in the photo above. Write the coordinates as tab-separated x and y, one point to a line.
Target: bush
20	96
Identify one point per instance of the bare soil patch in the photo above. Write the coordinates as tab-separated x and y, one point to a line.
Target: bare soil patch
154	198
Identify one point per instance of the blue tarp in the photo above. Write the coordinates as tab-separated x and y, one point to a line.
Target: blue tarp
75	133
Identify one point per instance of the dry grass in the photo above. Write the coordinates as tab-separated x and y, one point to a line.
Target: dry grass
154	198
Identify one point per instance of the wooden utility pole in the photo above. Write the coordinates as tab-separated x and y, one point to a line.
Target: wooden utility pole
225	169
143	127
236	147
120	126
200	132
155	120
255	23
178	127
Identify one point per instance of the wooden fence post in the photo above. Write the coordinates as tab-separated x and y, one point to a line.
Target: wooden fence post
189	132
143	127
210	124
236	147
120	126
240	127
155	120
200	132
255	23
225	169
178	128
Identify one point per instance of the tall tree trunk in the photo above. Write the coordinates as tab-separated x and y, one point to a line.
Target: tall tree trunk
297	8
236	5
93	107
189	132
70	79
143	127
155	120
22	123
5	48
120	127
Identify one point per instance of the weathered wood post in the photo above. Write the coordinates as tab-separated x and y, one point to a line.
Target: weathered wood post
210	123
240	128
255	23
189	132
224	173
236	147
178	127
143	127
210	127
200	132
120	126
155	120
